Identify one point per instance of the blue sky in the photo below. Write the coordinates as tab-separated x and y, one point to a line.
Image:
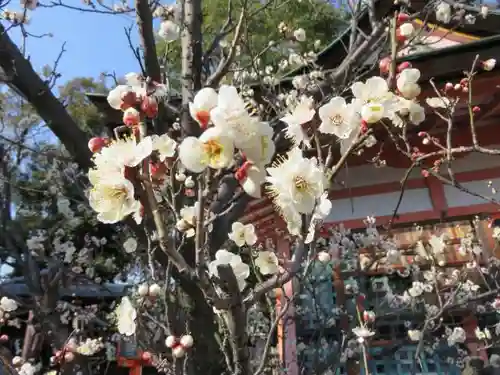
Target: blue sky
94	42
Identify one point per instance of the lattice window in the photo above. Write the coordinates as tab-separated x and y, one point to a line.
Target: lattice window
402	362
316	302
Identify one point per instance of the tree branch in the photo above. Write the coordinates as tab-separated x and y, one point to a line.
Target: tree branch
28	84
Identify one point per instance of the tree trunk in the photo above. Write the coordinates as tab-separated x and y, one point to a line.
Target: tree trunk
26	82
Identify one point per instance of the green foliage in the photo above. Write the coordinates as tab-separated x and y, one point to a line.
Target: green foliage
318	18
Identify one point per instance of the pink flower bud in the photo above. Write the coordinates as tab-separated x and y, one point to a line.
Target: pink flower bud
384	65
149	106
448	86
131	117
96	144
178	351
69	357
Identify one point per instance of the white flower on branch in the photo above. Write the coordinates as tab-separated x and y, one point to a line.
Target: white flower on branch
126	315
407	83
443	12
414	334
297	182
243	234
374	95
113	201
362	333
406	29
203	102
212	149
240	269
8	304
300	35
267	262
338	117
299	115
251	178
438	102
169	30
130	245
458	335
165	146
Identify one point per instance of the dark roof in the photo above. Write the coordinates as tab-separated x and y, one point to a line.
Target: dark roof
82	291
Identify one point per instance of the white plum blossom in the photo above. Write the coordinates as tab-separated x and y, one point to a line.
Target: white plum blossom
407	83
27	369
324	257
417	289
111	161
300	35
458	335
297	182
338	117
489	64
267	262
212	149
203	102
169	30
187	222
414	334
438	102
443	12
136	86
130	245
126	316
406	29
240	269
231	112
362	333
114	201
8	304
374	95
253	179
242	234
165	146
299	115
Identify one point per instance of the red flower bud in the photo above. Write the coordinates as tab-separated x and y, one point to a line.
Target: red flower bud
403	66
96	144
385	65
4	338
146	357
476	109
400	37
149	106
131	117
402	18
425	173
422	134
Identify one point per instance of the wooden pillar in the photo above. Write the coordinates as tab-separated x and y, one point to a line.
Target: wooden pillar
287	334
475	348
